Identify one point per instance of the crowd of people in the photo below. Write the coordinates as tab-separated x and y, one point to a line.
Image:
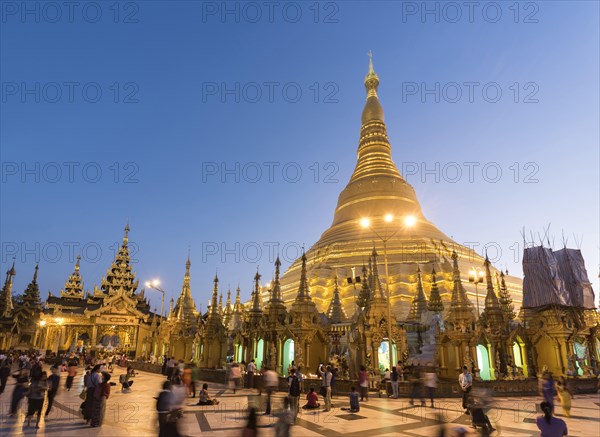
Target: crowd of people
37	385
40	386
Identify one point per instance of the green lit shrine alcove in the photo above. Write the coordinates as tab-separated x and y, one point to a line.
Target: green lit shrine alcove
519	355
288	354
483	360
259	353
238	355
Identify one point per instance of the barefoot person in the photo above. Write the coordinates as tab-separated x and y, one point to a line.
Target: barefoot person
204	398
312	397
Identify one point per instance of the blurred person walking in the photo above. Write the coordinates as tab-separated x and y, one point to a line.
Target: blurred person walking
36	394
430	380
363	382
53	384
564	395
251	426
101	394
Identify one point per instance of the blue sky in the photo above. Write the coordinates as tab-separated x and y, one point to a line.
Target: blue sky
187	92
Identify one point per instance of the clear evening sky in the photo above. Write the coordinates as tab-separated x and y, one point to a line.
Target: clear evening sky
230	128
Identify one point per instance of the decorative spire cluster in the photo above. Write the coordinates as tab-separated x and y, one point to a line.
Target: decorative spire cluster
228	310
31	295
185	308
419	303
256	297
303	291
459	300
378	293
364	296
6	302
27	314
119	277
276	290
214	308
435	301
505	299
492	311
336	312
74	285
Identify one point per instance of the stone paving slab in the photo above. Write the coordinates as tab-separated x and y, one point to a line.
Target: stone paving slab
133	414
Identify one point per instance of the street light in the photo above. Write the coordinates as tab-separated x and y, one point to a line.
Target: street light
409	221
154	284
476	277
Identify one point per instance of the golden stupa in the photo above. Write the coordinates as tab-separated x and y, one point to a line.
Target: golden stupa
377	195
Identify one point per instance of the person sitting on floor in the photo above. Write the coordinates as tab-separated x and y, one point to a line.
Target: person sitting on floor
204	397
312	399
354	403
125	382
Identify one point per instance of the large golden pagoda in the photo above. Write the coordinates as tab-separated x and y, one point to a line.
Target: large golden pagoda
378	192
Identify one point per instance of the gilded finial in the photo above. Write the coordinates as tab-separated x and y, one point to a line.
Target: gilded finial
126	236
371	79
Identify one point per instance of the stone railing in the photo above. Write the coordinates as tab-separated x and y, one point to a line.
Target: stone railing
445	388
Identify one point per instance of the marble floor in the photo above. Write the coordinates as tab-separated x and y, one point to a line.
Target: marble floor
133	414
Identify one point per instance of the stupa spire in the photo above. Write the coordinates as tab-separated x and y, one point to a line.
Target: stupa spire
256	298
377	290
492	306
276	289
74	285
228	310
435	301
459	300
238	308
303	291
185	309
419	303
221	303
6	302
119	277
364	297
336	312
505	299
214	309
31	295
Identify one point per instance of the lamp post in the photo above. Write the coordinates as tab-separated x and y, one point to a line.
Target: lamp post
155	285
476	277
409	221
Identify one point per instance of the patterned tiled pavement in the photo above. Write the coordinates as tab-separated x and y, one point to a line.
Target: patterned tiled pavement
133	414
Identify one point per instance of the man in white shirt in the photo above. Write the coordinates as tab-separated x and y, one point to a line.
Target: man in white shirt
251	370
466	382
430	380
